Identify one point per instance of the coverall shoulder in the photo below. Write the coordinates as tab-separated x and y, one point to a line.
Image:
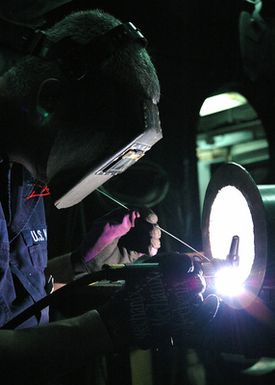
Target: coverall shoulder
23	245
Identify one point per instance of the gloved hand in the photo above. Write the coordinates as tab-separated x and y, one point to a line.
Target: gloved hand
161	307
121	236
144	237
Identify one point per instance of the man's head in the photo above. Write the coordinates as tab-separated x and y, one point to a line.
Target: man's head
74	109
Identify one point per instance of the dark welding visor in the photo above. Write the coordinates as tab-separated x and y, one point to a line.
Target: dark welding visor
71	185
81	163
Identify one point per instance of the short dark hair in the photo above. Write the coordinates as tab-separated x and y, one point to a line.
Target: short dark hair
101	112
131	65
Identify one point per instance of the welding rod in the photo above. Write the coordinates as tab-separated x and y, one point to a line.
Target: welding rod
160	228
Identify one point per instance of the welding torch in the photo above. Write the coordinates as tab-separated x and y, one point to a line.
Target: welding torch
215	265
211	268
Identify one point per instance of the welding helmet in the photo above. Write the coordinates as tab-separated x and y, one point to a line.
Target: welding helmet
82	163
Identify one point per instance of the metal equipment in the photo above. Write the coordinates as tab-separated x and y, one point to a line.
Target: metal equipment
235	206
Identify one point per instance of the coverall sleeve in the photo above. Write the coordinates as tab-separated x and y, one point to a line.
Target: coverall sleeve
37	355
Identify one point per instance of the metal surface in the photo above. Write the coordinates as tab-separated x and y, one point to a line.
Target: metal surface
232	174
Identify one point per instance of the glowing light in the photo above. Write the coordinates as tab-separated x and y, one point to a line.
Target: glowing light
229	216
265	365
221	102
228	282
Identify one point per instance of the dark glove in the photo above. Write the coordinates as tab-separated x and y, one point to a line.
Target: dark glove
121	236
144	237
160	308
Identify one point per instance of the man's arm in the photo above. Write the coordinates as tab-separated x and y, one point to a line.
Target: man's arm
150	310
121	236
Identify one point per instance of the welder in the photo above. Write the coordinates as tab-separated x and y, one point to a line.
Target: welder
68	91
74	88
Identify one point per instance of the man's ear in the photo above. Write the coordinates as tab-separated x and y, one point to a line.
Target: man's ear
48	96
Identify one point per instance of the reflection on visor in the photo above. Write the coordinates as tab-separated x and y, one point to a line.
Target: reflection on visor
122	163
118	162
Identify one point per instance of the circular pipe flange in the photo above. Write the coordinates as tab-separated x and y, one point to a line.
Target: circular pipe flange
233	206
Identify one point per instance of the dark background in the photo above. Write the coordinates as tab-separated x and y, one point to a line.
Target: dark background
195	46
